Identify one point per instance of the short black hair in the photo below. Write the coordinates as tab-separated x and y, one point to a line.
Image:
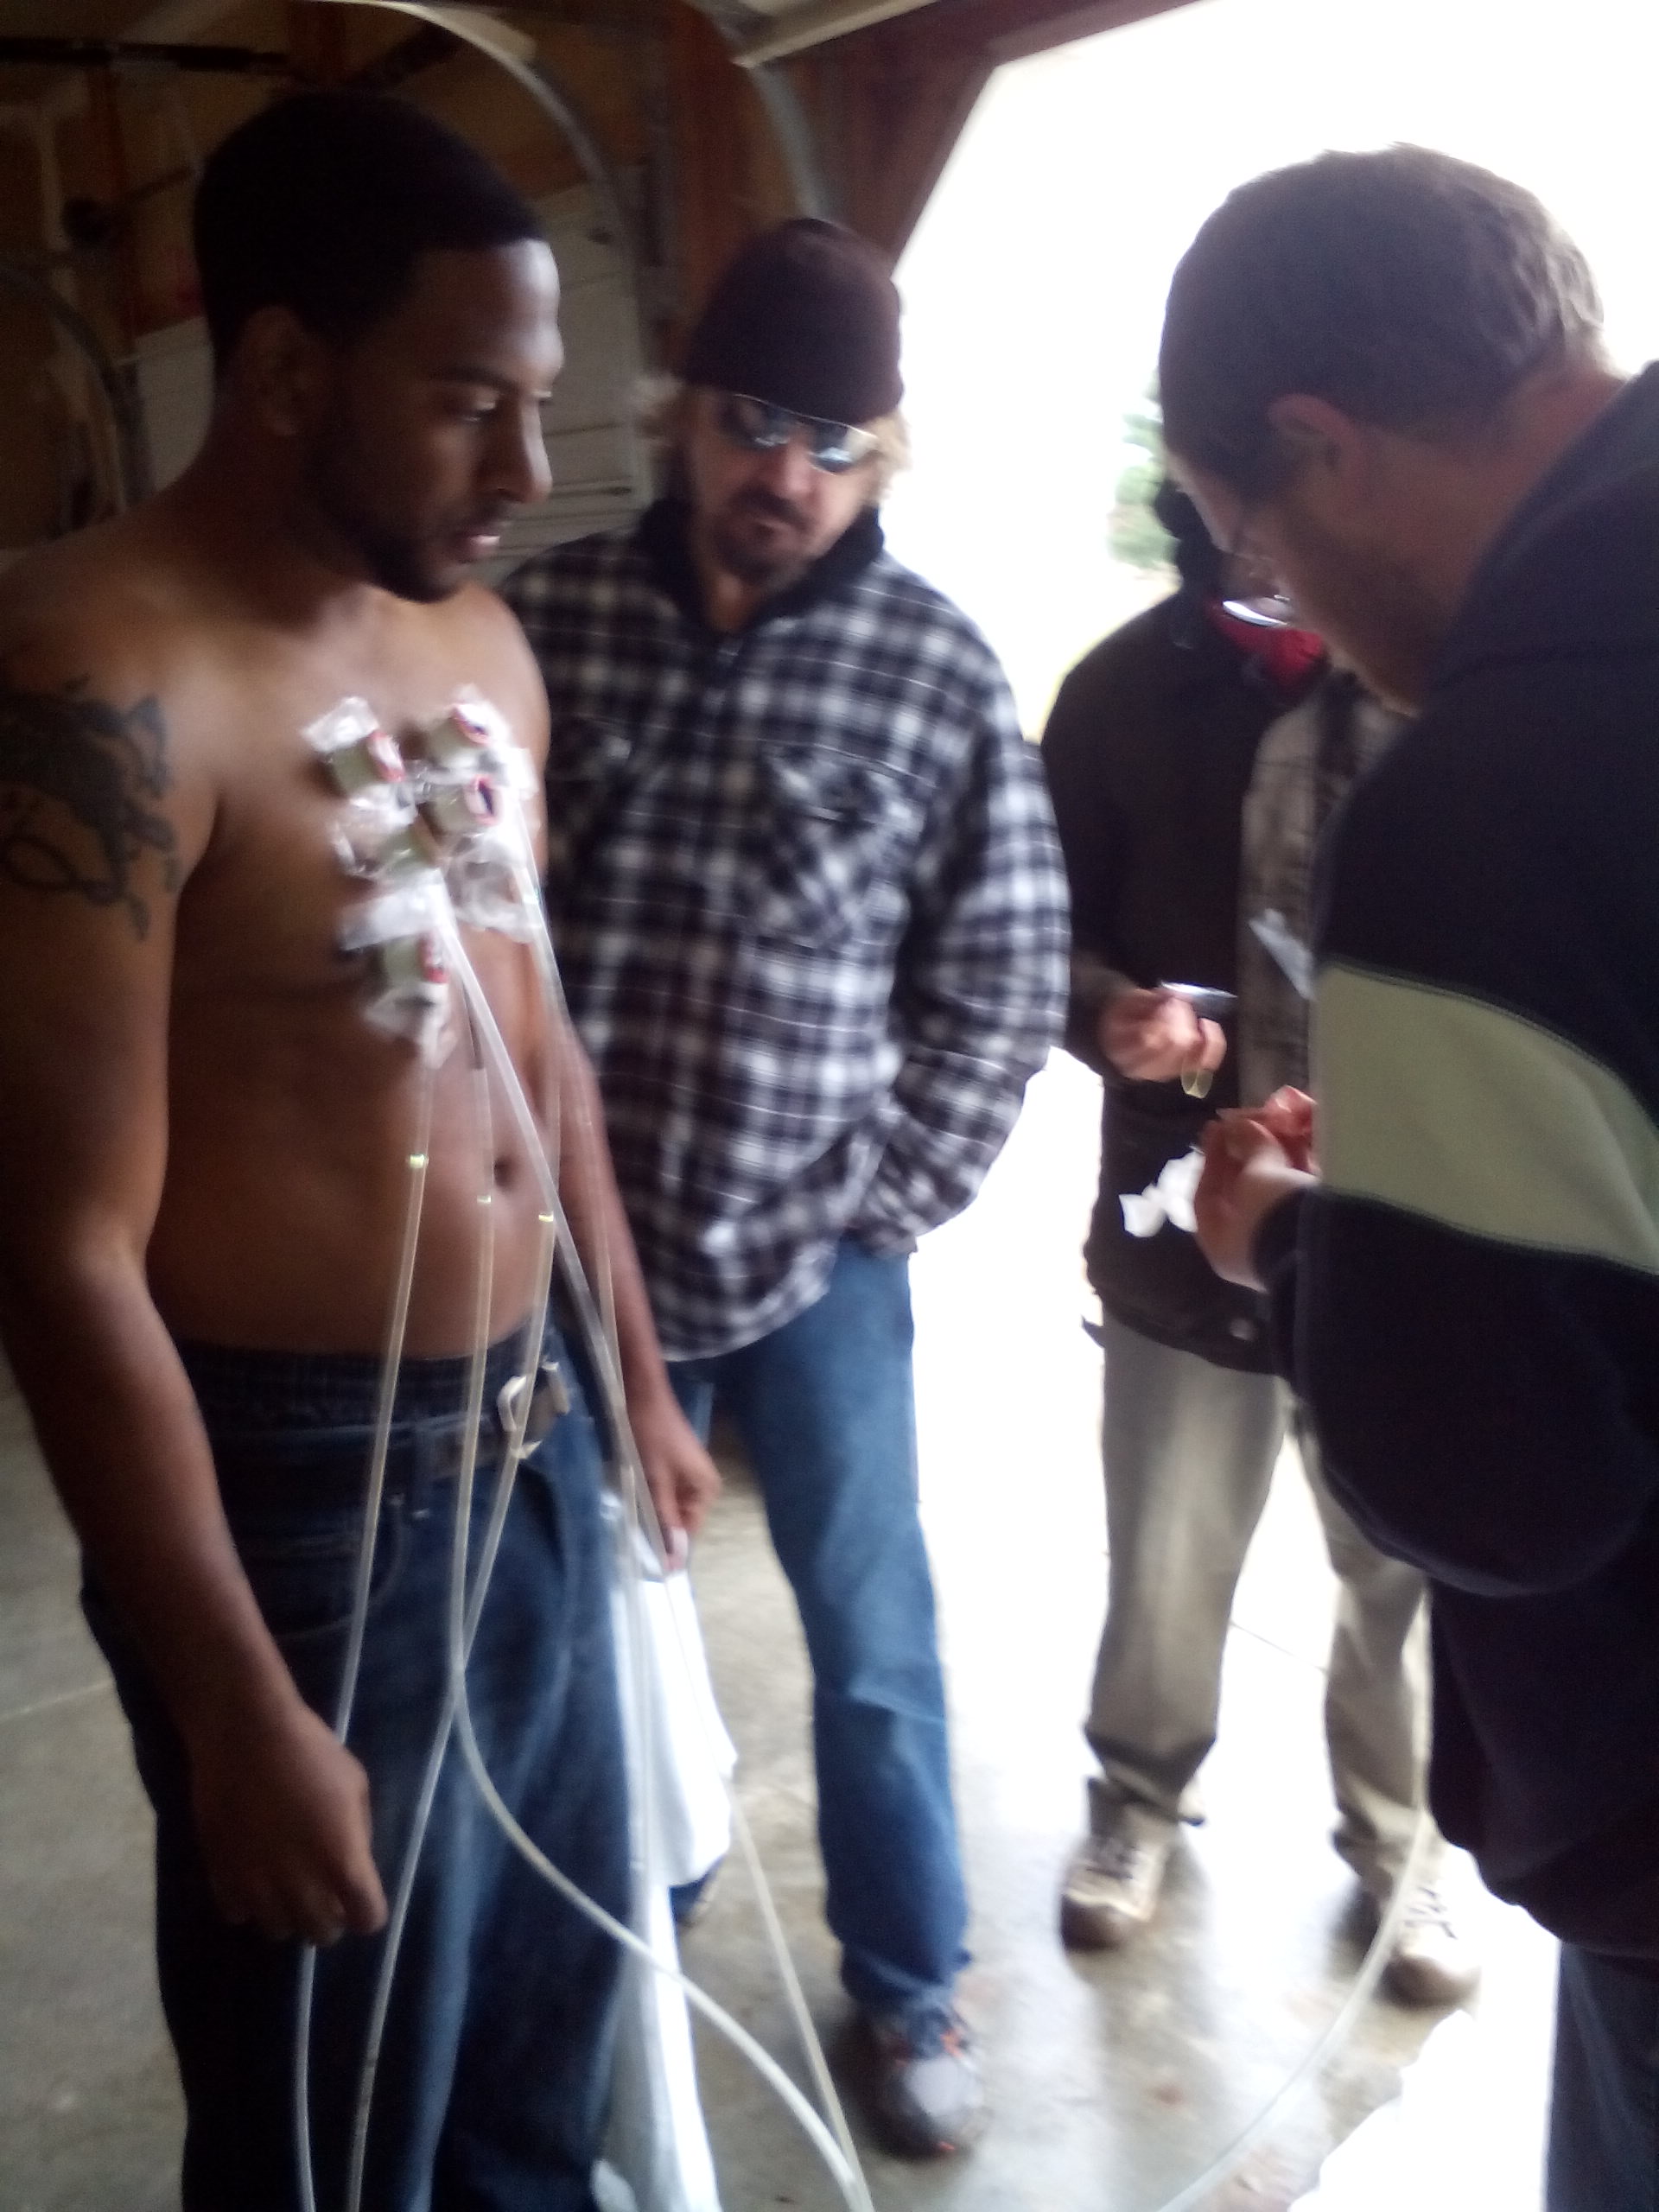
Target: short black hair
1410	289
324	202
1199	562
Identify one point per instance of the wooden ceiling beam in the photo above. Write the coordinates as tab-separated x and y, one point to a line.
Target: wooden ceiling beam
889	102
117	52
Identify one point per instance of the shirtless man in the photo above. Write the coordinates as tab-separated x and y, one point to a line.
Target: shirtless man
207	1148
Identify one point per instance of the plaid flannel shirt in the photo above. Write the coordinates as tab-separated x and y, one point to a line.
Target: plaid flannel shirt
808	907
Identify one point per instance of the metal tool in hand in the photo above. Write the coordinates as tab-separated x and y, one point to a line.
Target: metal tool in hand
1210	1005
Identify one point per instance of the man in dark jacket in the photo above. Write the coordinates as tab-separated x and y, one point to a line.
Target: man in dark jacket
1385	373
1150	752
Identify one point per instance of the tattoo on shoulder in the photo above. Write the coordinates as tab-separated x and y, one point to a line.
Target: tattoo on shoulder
79	782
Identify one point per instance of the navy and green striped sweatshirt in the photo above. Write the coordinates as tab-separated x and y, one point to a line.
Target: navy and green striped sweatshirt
1470	1302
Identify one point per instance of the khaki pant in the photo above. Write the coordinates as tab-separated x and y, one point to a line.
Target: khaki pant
1190	1450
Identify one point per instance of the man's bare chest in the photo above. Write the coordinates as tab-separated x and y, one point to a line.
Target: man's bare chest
334	824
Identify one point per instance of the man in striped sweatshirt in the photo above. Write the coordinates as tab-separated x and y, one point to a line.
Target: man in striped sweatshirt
1383	377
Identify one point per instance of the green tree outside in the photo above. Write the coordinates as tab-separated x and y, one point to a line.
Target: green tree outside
1135	534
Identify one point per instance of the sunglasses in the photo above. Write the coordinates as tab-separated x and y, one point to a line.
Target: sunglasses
757	426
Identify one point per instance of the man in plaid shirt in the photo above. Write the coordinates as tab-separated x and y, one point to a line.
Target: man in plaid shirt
813	927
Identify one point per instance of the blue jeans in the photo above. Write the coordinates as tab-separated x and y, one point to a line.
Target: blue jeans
825	1410
494	2075
1603	2113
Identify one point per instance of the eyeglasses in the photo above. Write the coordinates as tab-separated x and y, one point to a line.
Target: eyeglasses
1267	610
757	426
1265	601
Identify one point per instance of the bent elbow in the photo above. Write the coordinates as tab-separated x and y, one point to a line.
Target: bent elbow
1491	1536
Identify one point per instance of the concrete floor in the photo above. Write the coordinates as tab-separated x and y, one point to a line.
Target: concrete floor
1114	2080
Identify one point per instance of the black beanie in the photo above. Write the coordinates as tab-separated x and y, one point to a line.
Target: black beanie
806	317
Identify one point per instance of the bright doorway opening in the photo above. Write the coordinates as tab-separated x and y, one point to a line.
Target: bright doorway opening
1034	284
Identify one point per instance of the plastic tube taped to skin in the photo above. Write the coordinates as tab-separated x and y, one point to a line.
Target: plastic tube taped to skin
435	820
469	778
400	934
375	833
363	762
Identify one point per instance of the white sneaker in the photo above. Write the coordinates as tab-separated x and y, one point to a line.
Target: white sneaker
1431	1963
1111	1886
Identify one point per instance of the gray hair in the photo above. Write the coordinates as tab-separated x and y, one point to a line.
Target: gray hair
1411	290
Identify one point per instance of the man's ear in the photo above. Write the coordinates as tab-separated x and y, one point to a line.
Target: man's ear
283	371
1330	449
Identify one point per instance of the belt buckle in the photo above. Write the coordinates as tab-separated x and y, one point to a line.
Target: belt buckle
550	1399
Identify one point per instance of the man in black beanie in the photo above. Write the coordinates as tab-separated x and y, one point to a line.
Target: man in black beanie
812	926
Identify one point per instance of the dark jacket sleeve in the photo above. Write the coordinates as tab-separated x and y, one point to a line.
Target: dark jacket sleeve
1093	834
1473	1304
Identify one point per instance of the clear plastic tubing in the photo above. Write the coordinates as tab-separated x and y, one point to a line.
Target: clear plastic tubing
849	2178
391	1366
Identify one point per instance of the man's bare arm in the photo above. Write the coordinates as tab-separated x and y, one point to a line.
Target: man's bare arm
98	829
682	1478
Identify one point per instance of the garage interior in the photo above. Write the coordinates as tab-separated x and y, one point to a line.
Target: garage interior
654	135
